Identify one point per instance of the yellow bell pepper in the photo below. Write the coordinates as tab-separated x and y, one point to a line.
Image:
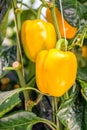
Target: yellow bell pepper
37	35
55	71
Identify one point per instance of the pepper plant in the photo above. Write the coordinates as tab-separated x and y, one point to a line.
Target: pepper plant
43	65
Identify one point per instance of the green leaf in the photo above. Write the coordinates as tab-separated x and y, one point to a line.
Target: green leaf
23	127
4	11
29	128
8	53
70	113
3	26
23	118
28	14
32	1
83	88
8	129
4	5
85	116
82	73
82	1
7	57
8	101
18	119
30	72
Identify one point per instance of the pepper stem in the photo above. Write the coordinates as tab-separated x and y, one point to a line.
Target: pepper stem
55	22
39	11
62	44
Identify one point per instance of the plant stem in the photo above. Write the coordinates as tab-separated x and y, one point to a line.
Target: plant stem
14	5
17	21
23	84
38	99
55	20
19	53
47	122
66	95
62	44
32	10
39	11
55	107
50	124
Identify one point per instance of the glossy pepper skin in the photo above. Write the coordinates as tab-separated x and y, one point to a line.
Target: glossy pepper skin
70	30
55	71
37	35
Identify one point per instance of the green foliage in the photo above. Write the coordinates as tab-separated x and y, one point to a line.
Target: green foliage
70	112
85	115
18	120
82	1
82	73
28	14
4	11
3	26
8	101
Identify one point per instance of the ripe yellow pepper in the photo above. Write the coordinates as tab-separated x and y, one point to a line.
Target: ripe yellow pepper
37	35
55	71
69	30
84	51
